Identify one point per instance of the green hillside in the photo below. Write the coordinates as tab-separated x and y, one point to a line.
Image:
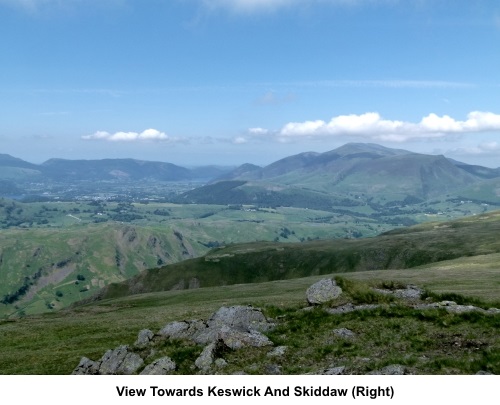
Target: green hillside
260	262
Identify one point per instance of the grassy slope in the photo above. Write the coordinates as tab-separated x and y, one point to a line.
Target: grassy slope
49	258
53	343
259	262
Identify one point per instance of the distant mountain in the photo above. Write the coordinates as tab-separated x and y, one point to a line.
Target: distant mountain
244	171
479	171
309	179
15	169
66	170
11	161
113	169
362	169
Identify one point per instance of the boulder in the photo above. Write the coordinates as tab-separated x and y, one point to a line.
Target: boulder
240	317
162	366
237	339
144	338
183	329
208	355
120	361
323	291
86	367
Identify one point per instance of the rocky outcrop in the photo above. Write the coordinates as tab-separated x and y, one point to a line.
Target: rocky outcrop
323	291
229	328
117	361
452	306
162	366
208	341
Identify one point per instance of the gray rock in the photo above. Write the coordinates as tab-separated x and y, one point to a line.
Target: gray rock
86	367
350	307
237	339
220	363
240	317
393	369
334	370
183	329
344	333
144	338
120	361
482	372
277	351
207	356
272	369
410	293
323	291
162	366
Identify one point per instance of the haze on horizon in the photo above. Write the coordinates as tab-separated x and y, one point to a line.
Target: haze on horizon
224	82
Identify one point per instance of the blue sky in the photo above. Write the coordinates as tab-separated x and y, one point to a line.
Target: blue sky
232	81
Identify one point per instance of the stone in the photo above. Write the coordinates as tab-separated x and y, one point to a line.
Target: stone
86	367
240	317
410	293
277	351
183	329
162	366
323	291
207	356
350	307
272	369
220	363
334	370
392	369
120	361
344	333
237	339
144	338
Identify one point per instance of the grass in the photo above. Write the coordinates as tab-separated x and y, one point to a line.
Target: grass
430	342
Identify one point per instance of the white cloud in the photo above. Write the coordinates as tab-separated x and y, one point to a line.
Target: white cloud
373	127
258	131
147	135
239	140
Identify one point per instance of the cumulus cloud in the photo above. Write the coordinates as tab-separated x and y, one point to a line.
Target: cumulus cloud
373	127
147	135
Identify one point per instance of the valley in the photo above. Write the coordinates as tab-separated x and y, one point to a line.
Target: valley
77	226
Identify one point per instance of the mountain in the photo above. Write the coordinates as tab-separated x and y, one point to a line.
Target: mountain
11	161
370	170
15	169
109	169
243	171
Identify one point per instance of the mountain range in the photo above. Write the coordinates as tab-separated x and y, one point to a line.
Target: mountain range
346	173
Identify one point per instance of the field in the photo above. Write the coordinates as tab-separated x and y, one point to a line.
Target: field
55	253
53	343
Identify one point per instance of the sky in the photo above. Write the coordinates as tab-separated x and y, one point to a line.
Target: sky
226	82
